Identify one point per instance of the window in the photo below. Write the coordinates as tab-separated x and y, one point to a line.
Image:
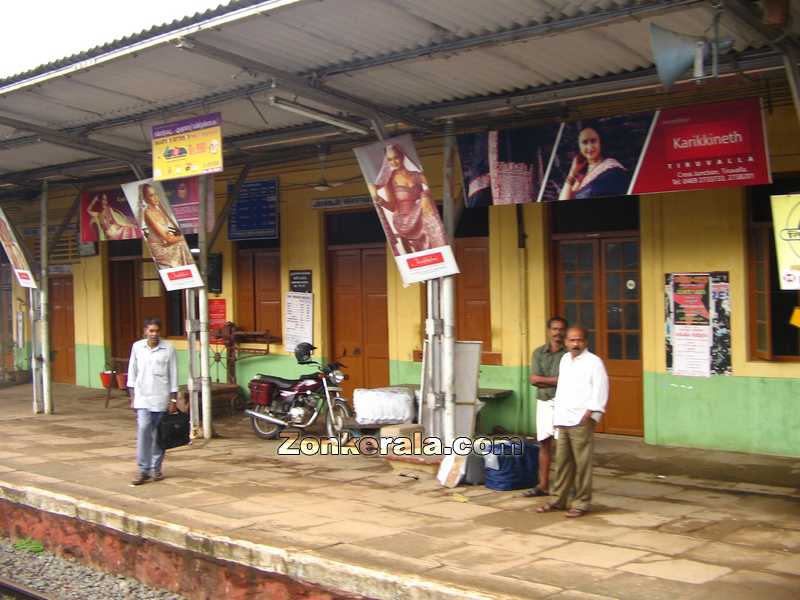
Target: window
258	294
770	308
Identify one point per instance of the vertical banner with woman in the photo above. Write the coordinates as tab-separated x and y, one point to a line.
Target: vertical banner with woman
149	204
16	255
406	209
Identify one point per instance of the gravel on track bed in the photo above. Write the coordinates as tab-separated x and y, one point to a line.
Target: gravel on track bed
66	579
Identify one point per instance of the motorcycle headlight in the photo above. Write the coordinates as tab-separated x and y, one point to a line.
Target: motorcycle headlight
336	377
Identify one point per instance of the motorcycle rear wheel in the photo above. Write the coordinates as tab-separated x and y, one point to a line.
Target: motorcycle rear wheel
264	429
336	419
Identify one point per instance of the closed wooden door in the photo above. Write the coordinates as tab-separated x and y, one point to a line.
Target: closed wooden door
599	288
125	326
359	320
62	328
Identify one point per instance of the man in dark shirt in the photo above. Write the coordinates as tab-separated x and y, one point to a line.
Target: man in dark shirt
544	376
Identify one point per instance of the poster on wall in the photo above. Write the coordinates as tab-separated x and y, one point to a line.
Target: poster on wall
402	198
697	324
106	216
188	147
217	317
15	253
671	150
254	215
786	227
174	261
298	325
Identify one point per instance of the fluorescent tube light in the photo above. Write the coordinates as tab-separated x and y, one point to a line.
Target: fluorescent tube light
317	115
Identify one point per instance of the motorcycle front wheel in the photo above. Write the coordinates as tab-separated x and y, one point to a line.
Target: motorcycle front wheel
264	429
336	419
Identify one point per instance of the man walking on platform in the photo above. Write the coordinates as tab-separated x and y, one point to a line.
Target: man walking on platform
580	401
153	385
544	375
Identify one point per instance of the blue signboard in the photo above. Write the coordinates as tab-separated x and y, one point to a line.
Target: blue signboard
254	215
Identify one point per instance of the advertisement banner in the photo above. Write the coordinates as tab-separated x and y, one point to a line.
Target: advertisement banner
184	198
786	226
16	254
149	204
188	147
106	215
406	209
707	146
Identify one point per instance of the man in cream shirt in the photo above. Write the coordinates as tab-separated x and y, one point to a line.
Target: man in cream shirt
153	385
580	401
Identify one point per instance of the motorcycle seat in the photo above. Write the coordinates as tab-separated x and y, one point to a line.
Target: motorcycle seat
279	382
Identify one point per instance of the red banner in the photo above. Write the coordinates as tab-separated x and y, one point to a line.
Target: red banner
706	146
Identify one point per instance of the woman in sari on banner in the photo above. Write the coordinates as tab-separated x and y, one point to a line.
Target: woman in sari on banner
402	190
111	223
591	173
163	235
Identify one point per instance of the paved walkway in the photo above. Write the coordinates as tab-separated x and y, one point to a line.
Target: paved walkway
668	523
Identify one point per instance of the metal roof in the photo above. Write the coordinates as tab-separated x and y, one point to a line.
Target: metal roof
400	57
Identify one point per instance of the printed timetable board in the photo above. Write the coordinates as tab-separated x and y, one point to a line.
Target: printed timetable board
254	215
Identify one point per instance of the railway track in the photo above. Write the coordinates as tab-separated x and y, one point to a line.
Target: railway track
10	590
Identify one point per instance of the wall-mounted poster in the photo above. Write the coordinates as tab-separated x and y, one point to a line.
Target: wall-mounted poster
254	215
16	254
164	237
697	324
406	209
106	215
298	326
188	147
786	226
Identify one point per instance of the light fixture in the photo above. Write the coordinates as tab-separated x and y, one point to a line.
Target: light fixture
317	115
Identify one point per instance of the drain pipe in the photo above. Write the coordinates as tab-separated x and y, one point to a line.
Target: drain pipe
524	391
205	380
44	323
448	298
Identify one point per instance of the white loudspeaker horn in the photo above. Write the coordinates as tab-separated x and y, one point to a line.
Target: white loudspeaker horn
674	53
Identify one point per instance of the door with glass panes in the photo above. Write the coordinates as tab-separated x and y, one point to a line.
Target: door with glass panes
598	286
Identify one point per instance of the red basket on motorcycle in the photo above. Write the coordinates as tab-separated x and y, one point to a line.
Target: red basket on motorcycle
261	391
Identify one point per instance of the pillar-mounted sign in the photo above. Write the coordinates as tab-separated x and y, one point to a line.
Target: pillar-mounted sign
16	253
786	226
188	147
406	209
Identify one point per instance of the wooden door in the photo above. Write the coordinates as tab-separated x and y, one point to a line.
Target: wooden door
598	282
359	320
62	328
125	325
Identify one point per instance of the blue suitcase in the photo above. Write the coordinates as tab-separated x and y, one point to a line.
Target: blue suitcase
518	464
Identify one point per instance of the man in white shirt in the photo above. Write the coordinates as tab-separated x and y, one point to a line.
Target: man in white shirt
581	398
153	385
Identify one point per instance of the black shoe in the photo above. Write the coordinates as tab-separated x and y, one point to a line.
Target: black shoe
142	478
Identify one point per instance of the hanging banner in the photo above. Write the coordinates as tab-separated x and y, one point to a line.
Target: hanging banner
406	209
254	215
106	215
786	226
698	330
148	202
184	198
16	254
188	147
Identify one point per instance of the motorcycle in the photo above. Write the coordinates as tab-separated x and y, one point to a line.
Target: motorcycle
279	403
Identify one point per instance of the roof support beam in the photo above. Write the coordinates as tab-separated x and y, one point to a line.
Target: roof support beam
567	25
61	139
300	86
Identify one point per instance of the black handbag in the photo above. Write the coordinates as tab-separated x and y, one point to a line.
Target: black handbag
173	430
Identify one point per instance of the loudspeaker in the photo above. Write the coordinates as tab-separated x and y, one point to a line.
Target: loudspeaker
674	53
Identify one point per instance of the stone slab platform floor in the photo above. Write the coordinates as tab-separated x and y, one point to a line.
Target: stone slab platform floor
668	523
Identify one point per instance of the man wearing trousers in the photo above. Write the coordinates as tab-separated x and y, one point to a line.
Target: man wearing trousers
580	401
153	385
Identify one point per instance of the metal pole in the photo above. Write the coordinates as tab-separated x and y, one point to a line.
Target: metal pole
33	298
448	304
45	306
433	328
205	381
191	383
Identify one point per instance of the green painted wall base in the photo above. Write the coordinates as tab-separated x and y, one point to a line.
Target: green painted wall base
512	414
743	414
90	361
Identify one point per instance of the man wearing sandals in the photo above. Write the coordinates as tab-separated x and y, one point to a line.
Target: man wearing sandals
580	401
544	376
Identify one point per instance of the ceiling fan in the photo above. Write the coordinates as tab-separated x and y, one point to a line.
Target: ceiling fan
323	185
